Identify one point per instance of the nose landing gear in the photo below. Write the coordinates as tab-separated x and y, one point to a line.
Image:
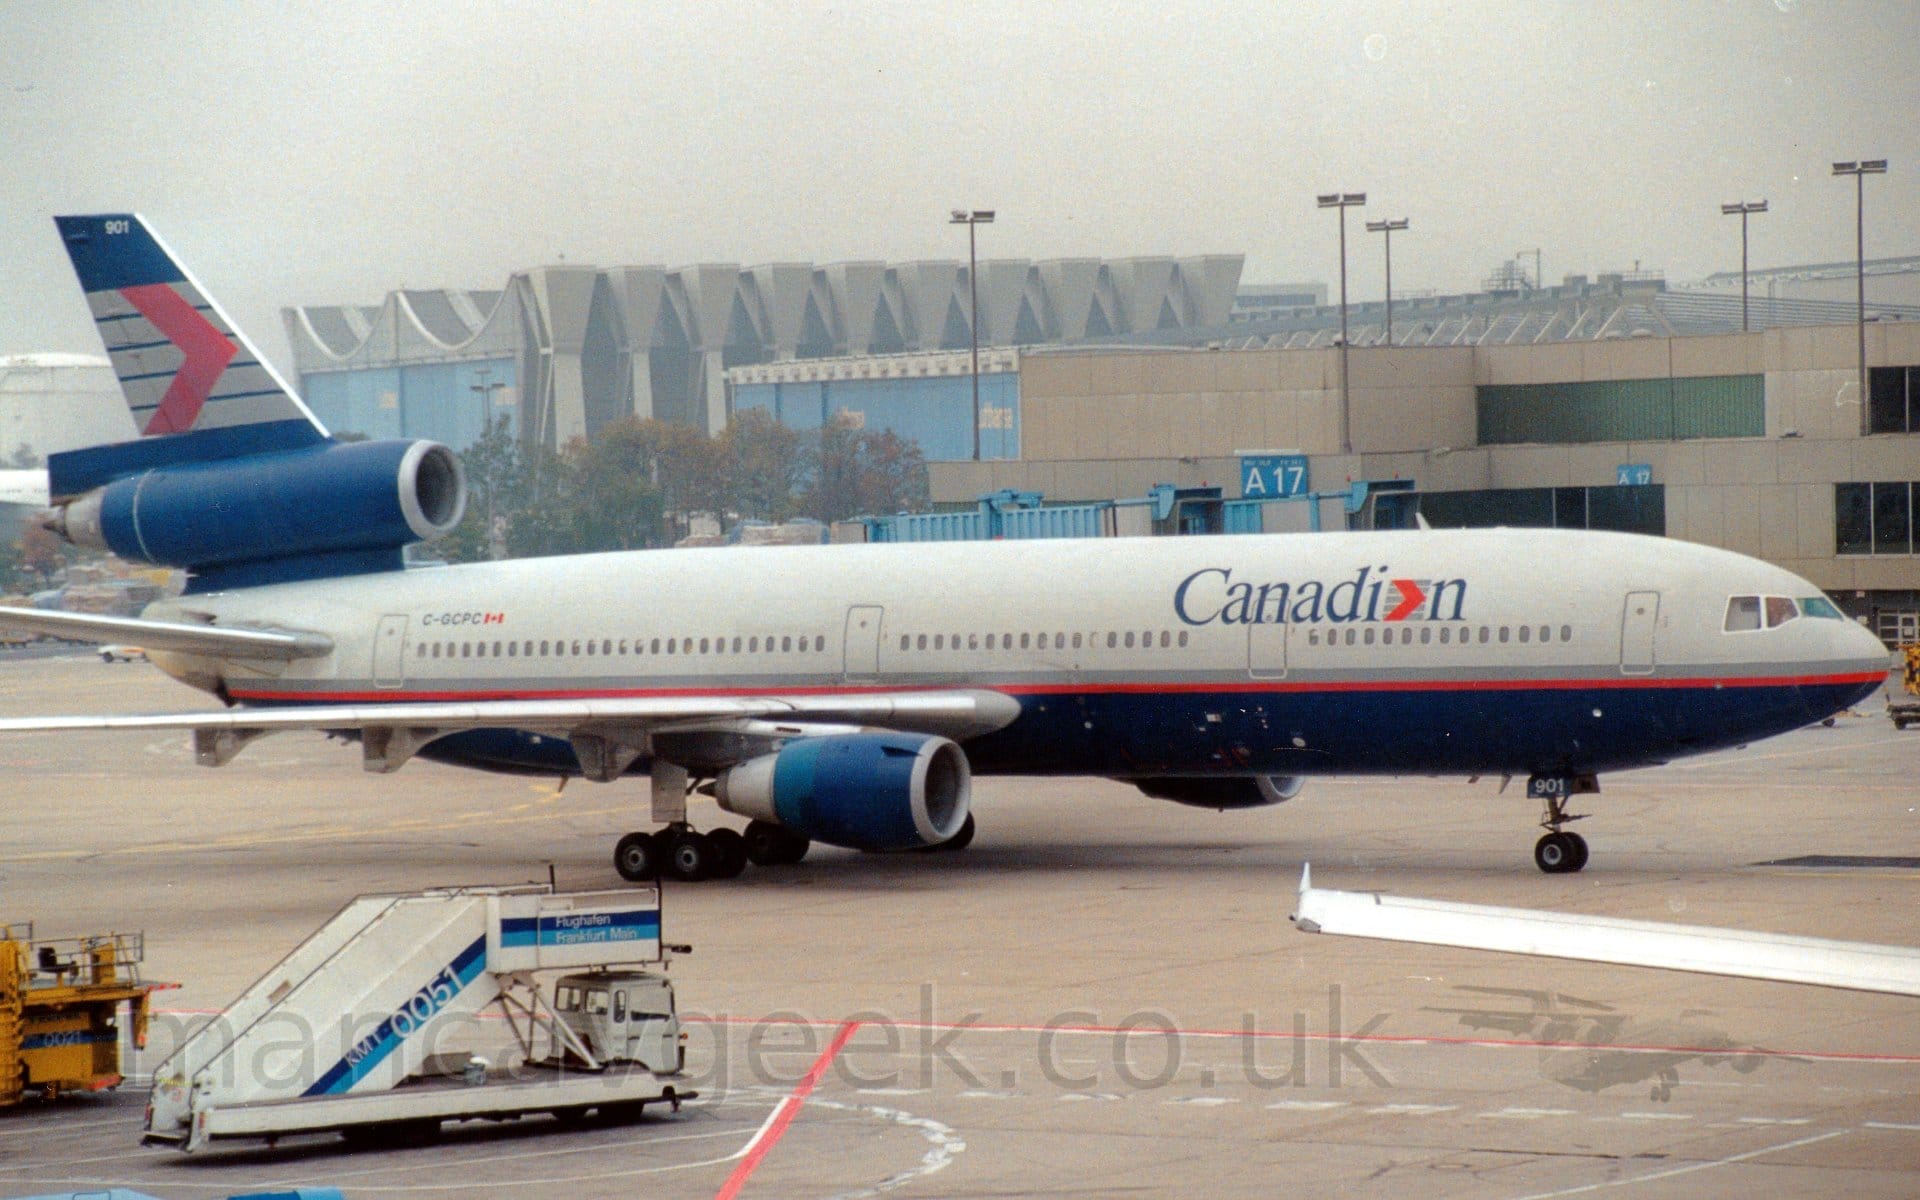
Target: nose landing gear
1559	852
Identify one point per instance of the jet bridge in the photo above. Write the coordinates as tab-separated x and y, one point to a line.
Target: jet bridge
350	1031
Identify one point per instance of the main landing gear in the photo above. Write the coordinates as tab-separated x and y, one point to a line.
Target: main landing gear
679	851
682	852
1559	852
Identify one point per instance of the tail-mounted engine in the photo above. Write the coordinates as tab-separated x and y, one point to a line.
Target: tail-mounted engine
333	508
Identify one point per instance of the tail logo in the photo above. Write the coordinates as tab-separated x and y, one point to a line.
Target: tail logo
205	350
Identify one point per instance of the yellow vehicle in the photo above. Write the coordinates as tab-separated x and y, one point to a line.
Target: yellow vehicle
1907	712
60	1003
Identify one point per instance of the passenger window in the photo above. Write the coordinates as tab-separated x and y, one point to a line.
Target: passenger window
786	644
1076	641
1313	637
589	647
906	643
1743	614
1165	639
1546	633
1350	637
736	645
1183	638
1503	635
576	649
1129	639
1486	635
973	641
1780	610
1426	635
1113	639
1525	633
1566	633
820	642
703	645
567	999
939	641
1023	640
1368	636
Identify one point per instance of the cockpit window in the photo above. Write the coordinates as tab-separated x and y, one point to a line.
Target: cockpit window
1743	613
1780	610
1820	606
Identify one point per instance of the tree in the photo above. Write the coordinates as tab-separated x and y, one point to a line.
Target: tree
494	474
858	472
762	467
617	506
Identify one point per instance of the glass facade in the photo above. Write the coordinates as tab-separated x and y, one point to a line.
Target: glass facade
1874	518
1625	410
934	411
1639	509
441	402
1893	400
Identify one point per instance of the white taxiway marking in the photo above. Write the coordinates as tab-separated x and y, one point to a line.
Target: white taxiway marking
1688	1169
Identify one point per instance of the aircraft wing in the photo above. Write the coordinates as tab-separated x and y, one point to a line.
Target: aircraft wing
167	635
392	732
1786	958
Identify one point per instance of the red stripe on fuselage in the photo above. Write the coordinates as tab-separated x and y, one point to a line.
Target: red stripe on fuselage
1055	689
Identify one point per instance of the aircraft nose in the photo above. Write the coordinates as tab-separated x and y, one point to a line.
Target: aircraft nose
1865	655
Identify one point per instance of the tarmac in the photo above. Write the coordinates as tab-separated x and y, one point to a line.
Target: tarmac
1103	996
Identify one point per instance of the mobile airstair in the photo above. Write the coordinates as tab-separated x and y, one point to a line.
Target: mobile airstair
352	1031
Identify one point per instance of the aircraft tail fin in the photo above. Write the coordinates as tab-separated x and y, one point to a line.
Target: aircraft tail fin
197	389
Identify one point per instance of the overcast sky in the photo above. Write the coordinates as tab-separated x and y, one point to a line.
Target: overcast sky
316	154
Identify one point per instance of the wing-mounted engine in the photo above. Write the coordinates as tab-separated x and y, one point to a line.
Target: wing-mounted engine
330	508
1222	791
864	791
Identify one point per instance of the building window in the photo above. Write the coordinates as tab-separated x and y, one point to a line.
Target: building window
1873	518
1893	400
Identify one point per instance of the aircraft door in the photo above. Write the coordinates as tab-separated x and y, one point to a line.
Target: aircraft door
1637	621
390	651
863	642
1267	650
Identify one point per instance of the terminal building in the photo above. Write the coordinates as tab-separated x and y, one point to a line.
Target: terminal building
1606	402
561	351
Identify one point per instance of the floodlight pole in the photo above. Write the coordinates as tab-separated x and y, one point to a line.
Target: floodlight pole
1860	170
1387	228
1343	201
1745	209
972	218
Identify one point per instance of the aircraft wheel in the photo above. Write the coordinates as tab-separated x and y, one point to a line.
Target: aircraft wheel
637	857
768	845
729	854
691	856
1579	846
762	843
1556	853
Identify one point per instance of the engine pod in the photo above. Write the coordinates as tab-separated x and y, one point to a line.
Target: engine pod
864	791
1222	791
337	496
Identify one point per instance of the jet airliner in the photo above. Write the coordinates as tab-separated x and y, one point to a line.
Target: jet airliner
848	694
